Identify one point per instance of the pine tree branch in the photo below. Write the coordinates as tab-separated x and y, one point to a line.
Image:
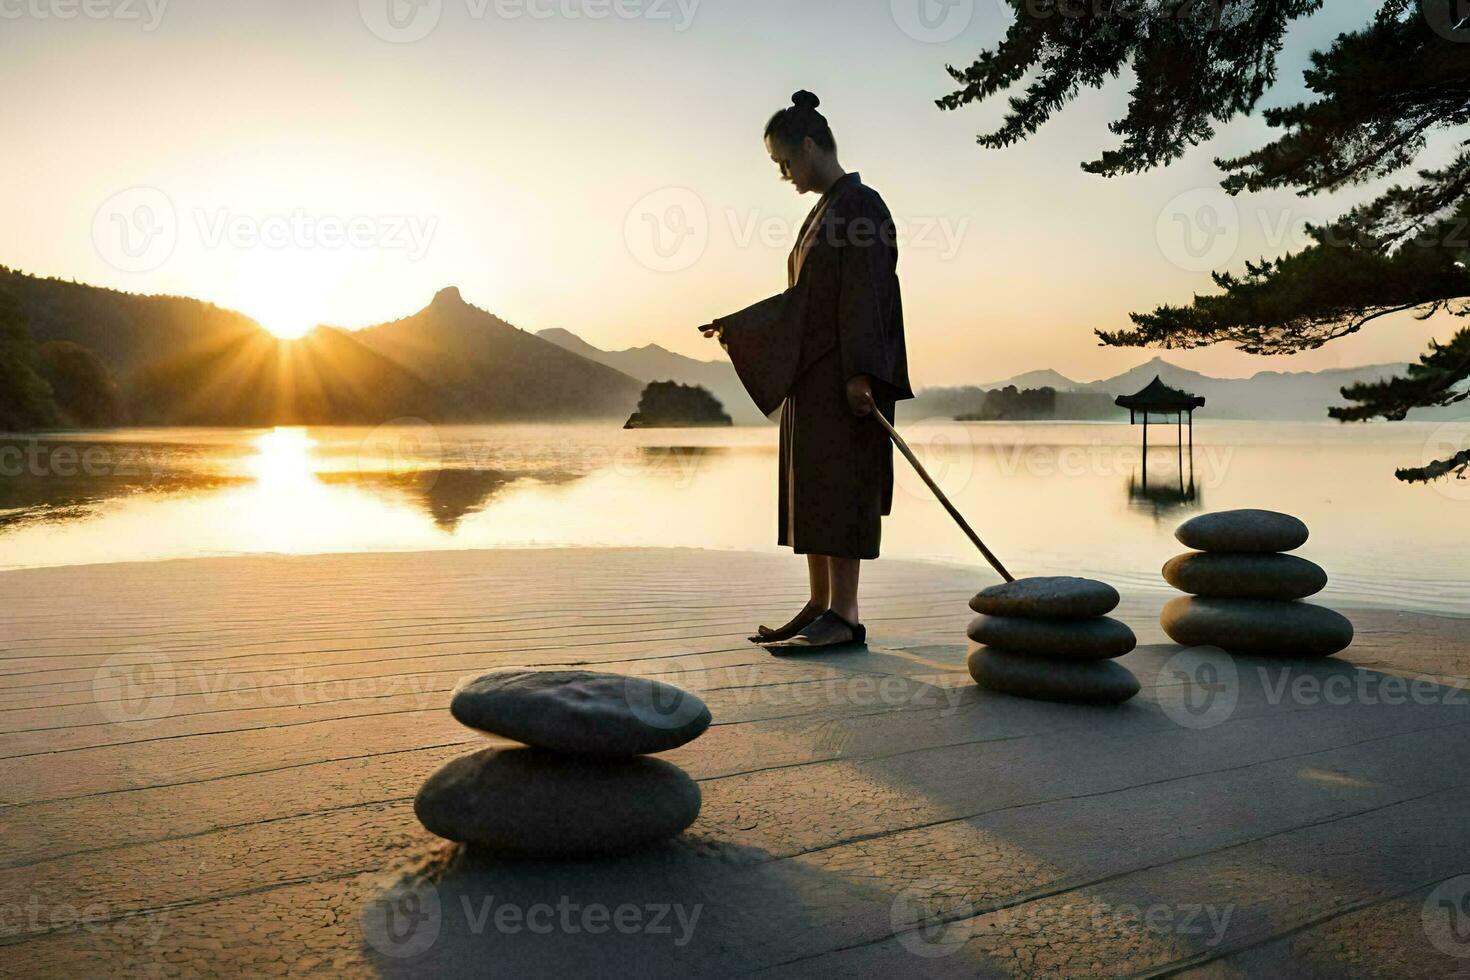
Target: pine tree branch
1456	464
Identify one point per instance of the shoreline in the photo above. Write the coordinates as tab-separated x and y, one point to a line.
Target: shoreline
980	570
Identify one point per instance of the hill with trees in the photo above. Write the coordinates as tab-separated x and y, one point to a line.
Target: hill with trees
26	399
75	355
670	404
484	368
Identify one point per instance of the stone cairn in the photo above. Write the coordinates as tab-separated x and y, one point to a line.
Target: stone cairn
1244	593
1051	639
584	784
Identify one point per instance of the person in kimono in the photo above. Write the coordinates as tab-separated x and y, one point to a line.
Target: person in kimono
829	351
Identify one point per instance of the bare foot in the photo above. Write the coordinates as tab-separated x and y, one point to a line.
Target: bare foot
799	622
828	630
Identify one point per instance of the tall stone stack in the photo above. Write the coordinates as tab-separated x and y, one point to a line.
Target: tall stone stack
1245	593
585	783
1051	639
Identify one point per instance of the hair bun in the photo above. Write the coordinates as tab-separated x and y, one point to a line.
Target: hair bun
805	100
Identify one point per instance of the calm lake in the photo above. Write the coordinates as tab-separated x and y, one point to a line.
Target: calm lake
1049	498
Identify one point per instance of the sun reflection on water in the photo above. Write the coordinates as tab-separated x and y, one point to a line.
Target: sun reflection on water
285	459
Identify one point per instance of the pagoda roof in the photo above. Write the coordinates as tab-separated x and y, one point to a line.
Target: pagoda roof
1159	397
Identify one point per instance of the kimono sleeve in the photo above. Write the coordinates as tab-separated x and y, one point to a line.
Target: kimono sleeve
866	309
764	344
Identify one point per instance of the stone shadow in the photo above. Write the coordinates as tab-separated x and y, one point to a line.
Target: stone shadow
692	907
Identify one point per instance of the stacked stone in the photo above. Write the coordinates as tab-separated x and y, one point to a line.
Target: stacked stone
584	784
1245	593
1051	639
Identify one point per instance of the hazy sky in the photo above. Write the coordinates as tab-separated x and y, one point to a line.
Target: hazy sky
597	165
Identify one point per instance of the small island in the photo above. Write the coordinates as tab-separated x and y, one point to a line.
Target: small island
1010	404
667	404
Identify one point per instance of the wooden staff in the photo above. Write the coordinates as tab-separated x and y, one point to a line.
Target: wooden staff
908	453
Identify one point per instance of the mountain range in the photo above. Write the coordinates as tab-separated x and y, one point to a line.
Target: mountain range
484	368
1263	395
168	360
1278	395
179	361
654	363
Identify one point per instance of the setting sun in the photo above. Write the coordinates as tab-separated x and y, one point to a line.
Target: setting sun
291	289
287	329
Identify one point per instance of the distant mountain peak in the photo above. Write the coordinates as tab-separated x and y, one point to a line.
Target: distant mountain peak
1045	378
448	296
652	362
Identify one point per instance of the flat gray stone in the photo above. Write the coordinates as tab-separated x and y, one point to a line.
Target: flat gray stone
1047	679
532	803
1243	575
1099	638
1267	627
1242	530
580	711
1047	597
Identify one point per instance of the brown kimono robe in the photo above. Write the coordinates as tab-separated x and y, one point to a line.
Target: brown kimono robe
841	316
